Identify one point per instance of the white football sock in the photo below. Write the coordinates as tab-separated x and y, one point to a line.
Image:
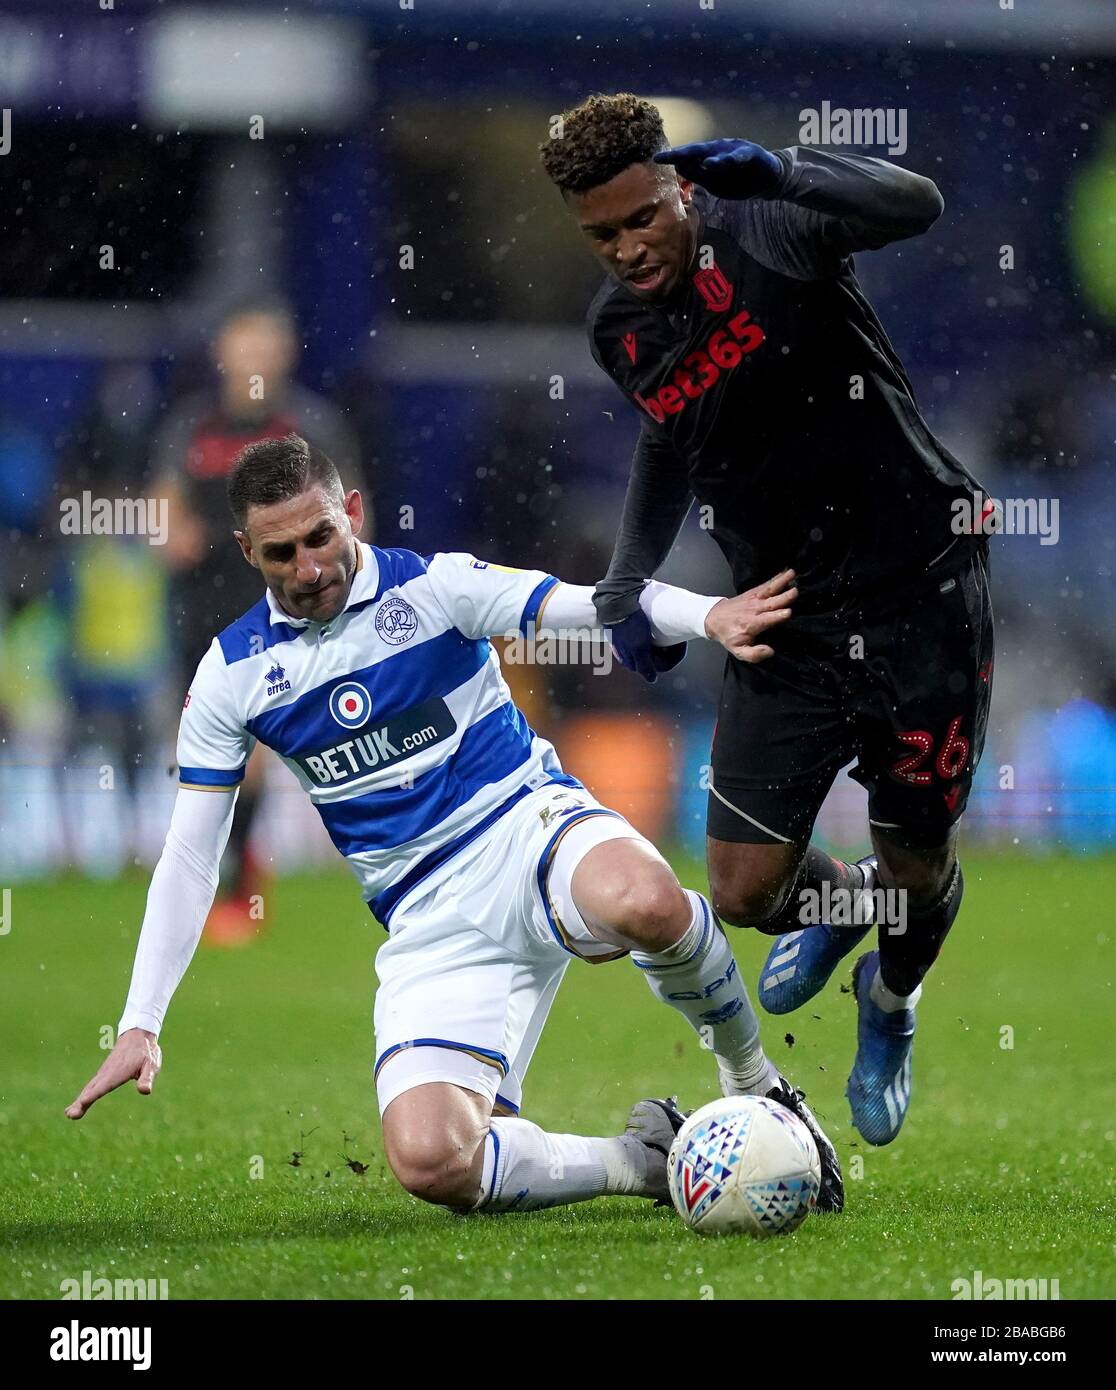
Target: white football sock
699	977
891	1003
864	904
525	1168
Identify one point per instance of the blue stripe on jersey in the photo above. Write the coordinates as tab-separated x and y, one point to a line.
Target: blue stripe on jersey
361	606
383	906
396	566
253	633
397	683
531	607
211	776
489	751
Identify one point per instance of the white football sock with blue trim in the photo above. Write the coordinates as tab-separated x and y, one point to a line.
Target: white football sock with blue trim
525	1168
699	977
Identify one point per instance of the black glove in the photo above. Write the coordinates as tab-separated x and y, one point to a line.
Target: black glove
635	647
728	168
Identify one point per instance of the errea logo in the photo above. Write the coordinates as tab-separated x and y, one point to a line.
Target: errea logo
276	681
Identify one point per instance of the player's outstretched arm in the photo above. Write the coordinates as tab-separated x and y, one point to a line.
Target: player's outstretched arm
873	201
482	599
182	890
859	202
676	615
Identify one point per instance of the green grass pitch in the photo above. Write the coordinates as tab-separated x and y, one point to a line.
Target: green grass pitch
1005	1164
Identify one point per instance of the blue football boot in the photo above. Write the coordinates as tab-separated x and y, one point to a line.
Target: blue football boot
879	1088
800	963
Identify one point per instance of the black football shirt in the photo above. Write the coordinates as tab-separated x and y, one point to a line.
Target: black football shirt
769	391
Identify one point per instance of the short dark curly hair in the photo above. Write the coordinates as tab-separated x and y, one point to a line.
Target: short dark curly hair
275	470
599	139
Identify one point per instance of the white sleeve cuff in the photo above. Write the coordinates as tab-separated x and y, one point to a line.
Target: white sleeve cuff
675	615
148	1022
568	607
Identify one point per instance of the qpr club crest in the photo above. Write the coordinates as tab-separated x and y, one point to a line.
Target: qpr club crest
350	704
396	621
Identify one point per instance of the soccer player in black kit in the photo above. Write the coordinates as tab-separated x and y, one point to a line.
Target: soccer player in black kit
732	320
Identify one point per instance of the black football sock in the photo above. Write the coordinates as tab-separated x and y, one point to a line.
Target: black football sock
906	956
816	870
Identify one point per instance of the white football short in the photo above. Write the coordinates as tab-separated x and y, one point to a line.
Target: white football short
473	962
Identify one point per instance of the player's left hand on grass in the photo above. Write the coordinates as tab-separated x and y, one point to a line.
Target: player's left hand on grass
634	645
737	622
136	1057
727	168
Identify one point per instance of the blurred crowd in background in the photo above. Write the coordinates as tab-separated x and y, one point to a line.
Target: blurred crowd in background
391	260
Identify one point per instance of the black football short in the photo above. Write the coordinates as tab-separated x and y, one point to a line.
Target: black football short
902	686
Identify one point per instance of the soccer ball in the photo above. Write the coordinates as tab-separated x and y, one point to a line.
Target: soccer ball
744	1164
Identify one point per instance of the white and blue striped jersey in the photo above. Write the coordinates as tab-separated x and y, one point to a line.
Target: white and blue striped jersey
394	716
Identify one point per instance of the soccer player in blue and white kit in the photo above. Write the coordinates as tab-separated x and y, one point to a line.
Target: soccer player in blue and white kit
370	673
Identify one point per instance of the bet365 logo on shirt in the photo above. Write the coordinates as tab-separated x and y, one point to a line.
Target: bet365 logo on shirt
722	351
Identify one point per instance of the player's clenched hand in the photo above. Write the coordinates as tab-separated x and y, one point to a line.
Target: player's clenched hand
737	622
727	168
136	1057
